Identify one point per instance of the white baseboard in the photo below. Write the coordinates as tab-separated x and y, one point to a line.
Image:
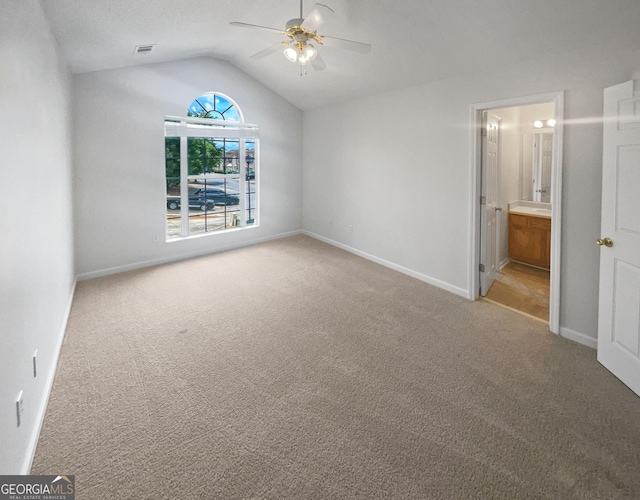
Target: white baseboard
180	257
396	267
35	433
578	337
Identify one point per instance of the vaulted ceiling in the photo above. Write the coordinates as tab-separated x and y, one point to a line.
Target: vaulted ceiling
414	41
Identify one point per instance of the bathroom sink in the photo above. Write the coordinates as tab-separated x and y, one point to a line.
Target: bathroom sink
530	208
539	212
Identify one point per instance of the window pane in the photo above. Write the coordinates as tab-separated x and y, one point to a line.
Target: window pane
232	115
172	176
172	160
172	147
174	226
211	150
204	156
249	155
230	155
226	203
223	192
201	215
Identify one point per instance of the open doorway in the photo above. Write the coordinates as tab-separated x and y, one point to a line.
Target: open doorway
517	204
517	162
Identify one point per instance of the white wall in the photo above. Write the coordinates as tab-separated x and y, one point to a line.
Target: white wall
405	185
401	193
36	245
119	161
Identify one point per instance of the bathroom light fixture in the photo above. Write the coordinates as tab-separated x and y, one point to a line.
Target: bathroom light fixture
539	123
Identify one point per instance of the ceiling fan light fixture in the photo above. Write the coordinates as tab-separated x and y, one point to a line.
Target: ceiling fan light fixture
301	53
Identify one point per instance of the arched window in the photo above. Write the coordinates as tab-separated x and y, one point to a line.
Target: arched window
215	106
211	159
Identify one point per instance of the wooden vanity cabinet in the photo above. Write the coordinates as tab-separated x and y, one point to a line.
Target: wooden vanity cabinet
530	240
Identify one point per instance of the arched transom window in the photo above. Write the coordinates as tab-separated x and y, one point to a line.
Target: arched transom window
215	106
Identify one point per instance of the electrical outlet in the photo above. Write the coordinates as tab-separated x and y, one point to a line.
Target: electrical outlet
156	237
35	364
350	228
19	407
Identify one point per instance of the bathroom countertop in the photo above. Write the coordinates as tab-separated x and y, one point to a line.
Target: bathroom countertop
530	208
536	212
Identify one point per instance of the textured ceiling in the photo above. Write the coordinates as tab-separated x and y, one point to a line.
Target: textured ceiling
414	41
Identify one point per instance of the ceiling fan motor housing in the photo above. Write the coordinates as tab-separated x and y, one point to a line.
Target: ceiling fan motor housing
294	23
299	34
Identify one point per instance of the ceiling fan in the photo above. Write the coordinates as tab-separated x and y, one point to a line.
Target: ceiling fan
301	31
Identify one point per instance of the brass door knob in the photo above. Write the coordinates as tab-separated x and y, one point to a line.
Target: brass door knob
607	242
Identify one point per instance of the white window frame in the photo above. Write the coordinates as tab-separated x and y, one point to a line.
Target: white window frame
185	127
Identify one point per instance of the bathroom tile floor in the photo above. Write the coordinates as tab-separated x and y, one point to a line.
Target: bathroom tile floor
523	288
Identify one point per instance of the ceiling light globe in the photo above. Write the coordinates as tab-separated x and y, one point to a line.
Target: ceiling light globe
538	124
291	54
551	122
310	52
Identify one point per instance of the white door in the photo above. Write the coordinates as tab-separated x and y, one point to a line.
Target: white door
489	219
619	307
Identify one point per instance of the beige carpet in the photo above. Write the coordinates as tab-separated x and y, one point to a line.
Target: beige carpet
295	370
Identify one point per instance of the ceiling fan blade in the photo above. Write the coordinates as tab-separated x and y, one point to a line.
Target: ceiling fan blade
247	25
341	43
318	63
318	15
268	50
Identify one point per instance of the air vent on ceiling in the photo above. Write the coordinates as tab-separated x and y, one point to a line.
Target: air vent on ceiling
144	49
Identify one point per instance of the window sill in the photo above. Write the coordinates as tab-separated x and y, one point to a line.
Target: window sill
211	233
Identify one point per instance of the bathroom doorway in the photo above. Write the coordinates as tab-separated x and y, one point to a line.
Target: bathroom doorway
527	206
523	209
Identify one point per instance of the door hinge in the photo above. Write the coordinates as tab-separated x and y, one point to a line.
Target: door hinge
481	268
484	130
483	200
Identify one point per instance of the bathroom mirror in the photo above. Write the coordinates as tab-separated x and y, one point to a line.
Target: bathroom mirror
536	161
